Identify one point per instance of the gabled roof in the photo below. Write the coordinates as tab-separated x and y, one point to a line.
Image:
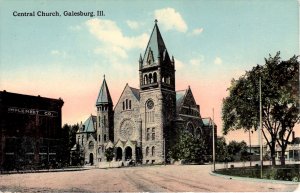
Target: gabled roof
104	95
136	93
89	124
180	96
156	46
207	122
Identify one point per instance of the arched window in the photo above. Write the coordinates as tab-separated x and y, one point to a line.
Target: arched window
104	137
198	132
129	104
190	128
147	151
100	150
153	133
91	145
145	79
168	80
150	78
154	77
99	138
148	134
163	79
153	151
126	103
123	105
104	121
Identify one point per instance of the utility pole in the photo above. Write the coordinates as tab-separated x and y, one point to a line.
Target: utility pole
250	147
260	130
213	128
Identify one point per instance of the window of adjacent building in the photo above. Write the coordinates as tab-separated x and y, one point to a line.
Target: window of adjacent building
153	133
104	137
147	151
91	145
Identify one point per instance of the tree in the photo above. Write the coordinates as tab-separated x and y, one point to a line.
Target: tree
279	100
68	140
237	150
109	154
221	150
189	148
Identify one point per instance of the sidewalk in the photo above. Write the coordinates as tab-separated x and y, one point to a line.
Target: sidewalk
46	170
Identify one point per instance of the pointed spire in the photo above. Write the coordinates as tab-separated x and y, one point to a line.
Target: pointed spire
155	45
104	95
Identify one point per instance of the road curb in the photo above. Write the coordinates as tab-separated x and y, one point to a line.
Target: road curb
254	179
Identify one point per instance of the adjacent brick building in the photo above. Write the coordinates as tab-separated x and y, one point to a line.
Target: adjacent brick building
30	130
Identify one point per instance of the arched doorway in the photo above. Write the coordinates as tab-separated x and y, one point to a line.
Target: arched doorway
128	153
119	154
91	159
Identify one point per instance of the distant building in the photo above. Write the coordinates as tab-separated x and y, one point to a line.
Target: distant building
143	124
30	129
292	151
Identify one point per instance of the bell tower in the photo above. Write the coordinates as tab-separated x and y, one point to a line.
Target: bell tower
157	97
105	118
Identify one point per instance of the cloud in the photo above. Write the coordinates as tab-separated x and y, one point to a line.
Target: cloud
107	32
197	31
114	47
133	24
218	61
170	19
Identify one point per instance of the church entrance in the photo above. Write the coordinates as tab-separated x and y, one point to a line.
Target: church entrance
91	159
119	154
128	153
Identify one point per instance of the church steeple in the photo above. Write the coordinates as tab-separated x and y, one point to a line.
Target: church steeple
104	95
156	51
156	68
105	115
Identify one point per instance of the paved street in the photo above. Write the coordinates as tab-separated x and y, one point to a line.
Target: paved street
139	179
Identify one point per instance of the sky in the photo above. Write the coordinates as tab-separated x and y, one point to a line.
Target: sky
212	43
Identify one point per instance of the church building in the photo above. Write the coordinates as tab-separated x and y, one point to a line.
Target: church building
143	123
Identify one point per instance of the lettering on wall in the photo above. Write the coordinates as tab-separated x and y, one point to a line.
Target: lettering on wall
32	111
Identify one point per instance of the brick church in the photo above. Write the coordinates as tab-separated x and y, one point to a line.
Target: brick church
143	123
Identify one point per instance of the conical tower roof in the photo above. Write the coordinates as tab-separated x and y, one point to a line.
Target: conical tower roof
104	95
155	46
